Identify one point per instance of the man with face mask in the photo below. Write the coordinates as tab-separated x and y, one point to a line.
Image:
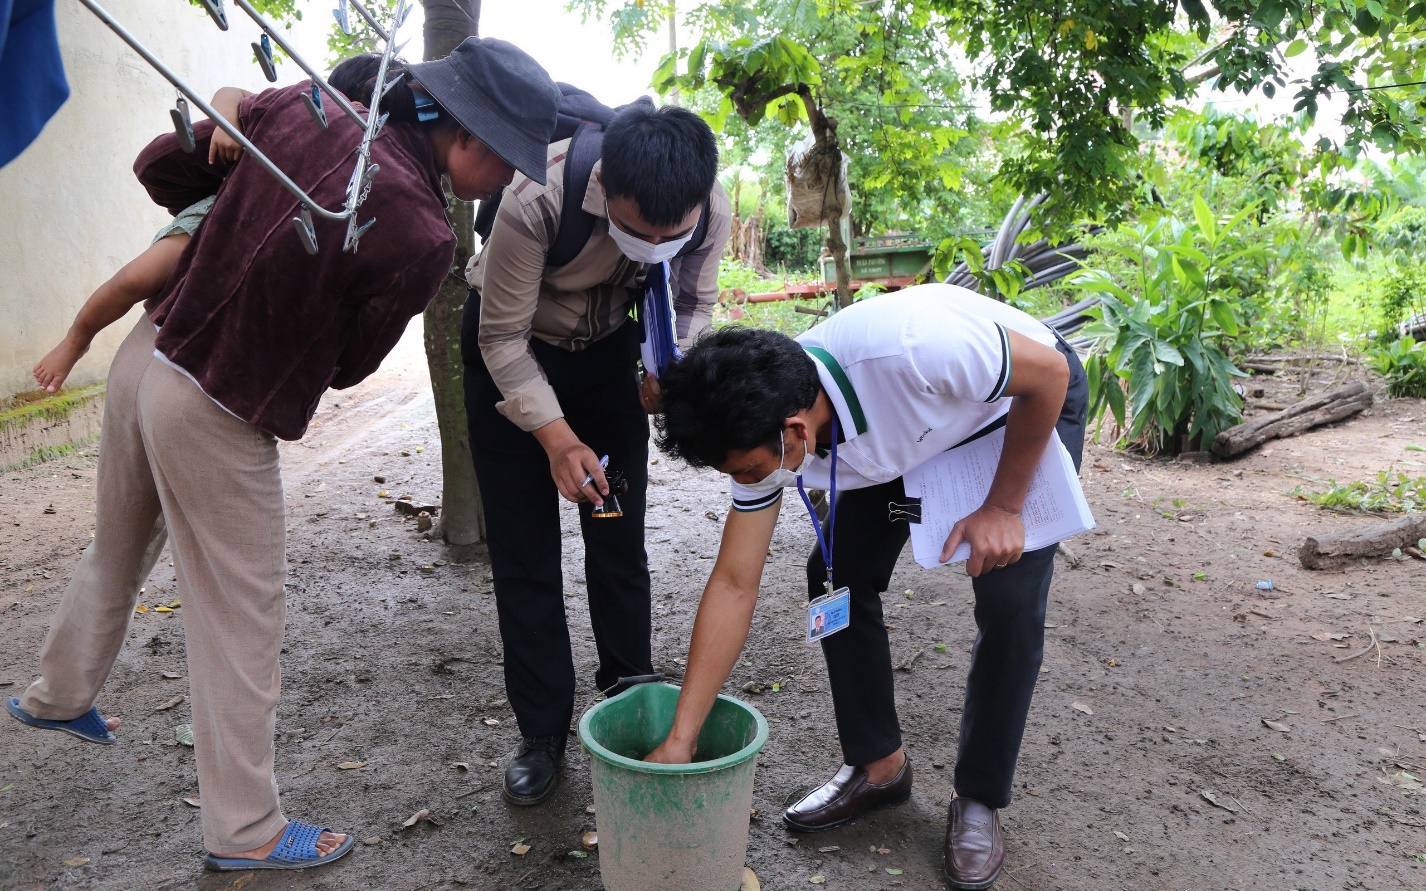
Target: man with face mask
851	406
551	386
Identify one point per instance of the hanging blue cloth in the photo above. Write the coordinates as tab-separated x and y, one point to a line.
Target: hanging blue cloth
32	84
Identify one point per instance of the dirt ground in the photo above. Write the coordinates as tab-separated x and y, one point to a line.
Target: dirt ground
1163	664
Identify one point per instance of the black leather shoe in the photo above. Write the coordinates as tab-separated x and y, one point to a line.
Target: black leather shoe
531	775
847	796
975	845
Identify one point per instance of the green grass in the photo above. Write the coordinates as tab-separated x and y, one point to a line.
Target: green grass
1391	492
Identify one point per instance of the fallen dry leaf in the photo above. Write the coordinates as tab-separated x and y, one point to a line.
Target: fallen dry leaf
1081	707
351	765
589	841
417	817
828	849
1121	836
374	840
883	850
170	704
1330	636
1275	725
460	765
76	861
750	880
193	801
1212	798
817	880
492	722
520	850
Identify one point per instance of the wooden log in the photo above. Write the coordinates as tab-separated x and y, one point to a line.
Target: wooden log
1340	548
1325	408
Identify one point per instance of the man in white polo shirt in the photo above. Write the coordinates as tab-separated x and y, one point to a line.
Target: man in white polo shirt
850	407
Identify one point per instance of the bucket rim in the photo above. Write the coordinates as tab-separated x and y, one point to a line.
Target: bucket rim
746	753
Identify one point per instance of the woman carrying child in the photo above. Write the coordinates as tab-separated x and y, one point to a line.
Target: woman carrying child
233	354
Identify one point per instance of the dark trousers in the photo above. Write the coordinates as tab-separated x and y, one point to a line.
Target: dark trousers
598	390
1010	621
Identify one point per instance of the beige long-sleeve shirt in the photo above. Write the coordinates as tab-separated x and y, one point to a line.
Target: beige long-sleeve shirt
573	305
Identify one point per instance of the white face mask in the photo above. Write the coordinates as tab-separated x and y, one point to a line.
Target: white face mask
781	478
641	251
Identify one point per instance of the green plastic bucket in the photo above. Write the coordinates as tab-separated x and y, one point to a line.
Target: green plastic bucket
671	827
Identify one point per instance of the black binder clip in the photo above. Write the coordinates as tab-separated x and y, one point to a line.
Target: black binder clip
343	16
910	512
313	101
263	50
215	10
183	125
305	231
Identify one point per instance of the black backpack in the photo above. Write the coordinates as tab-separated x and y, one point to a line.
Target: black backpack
582	120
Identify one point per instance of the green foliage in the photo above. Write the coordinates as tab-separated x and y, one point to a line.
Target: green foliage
1390	492
791	248
1161	338
1403	364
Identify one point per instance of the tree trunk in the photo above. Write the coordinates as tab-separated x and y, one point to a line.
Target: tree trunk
824	129
462	519
1334	405
1341	548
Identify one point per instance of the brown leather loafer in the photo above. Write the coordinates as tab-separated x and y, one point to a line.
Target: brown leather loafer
975	845
847	796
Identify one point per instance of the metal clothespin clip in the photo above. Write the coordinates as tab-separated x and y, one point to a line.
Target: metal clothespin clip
305	230
401	20
910	513
380	122
215	10
343	16
263	50
355	232
313	101
183	125
386	88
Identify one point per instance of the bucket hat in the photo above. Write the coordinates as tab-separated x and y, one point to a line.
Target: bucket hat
498	93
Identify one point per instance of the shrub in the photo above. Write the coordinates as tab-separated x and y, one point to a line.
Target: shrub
1403	364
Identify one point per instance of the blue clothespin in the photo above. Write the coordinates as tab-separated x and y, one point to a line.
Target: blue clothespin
215	11
313	101
343	16
426	107
263	51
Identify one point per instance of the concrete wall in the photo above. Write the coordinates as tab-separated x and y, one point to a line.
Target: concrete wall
73	212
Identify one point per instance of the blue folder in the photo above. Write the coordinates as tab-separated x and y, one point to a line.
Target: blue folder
657	338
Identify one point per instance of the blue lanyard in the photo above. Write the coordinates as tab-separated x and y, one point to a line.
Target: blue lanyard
825	542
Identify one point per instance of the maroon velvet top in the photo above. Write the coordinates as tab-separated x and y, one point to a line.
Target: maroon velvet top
261	325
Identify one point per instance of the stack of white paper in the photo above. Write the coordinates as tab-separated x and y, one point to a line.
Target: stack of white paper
955	483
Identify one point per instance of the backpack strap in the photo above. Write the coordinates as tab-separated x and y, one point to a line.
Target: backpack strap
700	231
575	223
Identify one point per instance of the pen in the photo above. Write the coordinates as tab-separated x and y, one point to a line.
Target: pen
603	463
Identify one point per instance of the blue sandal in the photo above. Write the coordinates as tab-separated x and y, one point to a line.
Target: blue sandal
297	849
89	726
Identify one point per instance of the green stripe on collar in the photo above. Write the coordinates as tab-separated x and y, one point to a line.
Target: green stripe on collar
854	405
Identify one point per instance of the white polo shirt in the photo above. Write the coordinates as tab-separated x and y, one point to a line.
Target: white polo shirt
909	374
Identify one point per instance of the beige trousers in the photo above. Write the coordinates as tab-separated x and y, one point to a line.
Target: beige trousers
173	464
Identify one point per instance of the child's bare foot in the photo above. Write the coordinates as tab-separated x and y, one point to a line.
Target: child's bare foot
51	371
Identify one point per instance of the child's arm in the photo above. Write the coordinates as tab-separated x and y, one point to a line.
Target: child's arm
223	147
141	279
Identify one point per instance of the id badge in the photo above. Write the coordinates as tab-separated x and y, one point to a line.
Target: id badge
829	614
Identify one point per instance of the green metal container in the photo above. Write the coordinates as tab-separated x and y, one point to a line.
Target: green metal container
671	826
